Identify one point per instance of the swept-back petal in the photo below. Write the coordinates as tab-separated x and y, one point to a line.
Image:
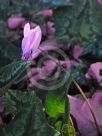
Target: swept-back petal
14	22
26	30
35	38
25	45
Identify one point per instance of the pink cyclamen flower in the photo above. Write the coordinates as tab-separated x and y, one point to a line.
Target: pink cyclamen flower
30	42
100	2
47	12
13	22
94	72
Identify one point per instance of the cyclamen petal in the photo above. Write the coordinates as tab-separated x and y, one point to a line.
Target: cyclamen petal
13	22
26	42
45	13
35	54
36	34
94	72
80	110
77	50
26	30
100	2
30	42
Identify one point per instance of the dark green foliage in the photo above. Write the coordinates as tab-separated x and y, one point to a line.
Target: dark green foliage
10	73
9	7
81	21
8	52
75	21
29	119
55	100
93	50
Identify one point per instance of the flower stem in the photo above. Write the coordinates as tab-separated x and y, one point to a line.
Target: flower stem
67	110
90	107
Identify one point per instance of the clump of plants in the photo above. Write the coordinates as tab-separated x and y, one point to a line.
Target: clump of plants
51	68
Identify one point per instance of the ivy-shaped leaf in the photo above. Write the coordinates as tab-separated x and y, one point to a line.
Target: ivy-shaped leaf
10	105
79	22
55	100
30	119
10	73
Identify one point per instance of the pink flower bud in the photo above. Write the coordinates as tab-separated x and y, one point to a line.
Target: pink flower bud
14	22
47	12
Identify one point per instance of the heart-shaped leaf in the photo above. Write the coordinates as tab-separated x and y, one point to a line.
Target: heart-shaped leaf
10	73
30	119
55	100
79	22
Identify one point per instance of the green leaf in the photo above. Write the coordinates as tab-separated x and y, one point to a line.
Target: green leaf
8	52
30	119
58	125
67	130
55	100
10	104
10	73
79	22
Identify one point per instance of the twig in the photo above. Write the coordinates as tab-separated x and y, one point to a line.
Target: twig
71	122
